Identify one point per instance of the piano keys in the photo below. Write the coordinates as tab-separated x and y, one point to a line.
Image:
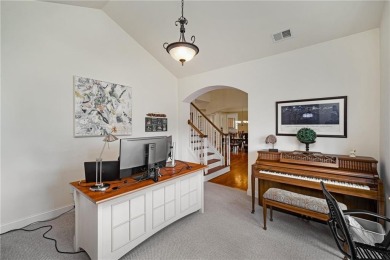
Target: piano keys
352	180
314	179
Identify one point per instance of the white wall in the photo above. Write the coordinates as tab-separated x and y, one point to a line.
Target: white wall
227	100
347	66
385	99
43	46
0	115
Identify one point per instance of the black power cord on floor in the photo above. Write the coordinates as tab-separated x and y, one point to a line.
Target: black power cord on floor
44	234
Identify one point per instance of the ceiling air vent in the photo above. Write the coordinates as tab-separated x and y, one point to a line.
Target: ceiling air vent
286	34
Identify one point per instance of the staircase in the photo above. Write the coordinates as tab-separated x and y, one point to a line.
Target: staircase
209	144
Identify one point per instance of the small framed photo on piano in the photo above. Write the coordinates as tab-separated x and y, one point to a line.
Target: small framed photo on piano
326	116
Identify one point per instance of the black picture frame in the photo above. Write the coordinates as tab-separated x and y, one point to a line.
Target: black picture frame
155	124
326	116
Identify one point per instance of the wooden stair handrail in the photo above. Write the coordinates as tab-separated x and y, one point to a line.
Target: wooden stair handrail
196	129
216	128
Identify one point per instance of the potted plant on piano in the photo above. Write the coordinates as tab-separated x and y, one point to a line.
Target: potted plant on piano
306	136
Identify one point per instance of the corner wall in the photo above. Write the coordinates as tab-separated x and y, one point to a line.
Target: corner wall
385	99
347	66
43	46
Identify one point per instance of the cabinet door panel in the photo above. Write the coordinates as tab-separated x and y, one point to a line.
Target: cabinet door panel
193	198
158	197
193	183
120	236
137	206
169	210
184	202
158	216
184	187
137	227
120	213
169	193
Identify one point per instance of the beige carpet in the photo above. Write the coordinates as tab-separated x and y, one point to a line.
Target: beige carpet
227	230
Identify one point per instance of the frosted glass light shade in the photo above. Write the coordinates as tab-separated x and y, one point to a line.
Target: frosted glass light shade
182	51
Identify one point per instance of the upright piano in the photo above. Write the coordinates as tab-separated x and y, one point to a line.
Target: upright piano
351	180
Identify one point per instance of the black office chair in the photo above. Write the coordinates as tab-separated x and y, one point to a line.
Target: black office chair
345	236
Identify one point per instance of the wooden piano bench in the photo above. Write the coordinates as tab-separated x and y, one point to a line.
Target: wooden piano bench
297	203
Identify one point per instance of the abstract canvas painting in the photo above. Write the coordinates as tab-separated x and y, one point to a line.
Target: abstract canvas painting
101	108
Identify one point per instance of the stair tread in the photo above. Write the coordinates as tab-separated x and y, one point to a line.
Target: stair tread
216	169
213	161
210	153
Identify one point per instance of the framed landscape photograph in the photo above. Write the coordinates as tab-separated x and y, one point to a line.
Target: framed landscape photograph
326	116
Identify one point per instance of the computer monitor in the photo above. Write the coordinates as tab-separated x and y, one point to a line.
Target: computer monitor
110	171
169	147
141	155
170	153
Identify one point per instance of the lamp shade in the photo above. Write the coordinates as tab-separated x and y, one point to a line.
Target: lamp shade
182	51
110	138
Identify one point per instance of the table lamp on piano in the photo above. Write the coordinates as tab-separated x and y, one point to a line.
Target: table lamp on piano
271	139
99	185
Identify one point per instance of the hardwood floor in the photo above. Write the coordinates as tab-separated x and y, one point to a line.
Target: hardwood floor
238	175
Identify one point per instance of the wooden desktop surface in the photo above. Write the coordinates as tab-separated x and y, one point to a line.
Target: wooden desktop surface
129	185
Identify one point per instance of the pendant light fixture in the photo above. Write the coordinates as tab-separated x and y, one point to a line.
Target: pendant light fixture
182	51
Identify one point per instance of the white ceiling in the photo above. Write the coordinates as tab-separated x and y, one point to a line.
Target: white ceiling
97	4
232	32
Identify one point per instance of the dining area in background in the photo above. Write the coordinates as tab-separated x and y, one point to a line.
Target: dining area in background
238	141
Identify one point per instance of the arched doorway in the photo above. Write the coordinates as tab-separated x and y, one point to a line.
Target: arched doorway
227	108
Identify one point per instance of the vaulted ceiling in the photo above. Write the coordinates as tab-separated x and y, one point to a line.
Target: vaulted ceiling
232	32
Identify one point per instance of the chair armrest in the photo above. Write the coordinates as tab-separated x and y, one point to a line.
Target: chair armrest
365	212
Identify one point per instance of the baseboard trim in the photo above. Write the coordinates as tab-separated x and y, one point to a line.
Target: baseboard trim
38	217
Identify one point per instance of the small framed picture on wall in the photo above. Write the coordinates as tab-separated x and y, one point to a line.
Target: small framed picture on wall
156	124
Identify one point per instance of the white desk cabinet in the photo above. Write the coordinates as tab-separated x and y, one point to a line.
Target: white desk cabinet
111	227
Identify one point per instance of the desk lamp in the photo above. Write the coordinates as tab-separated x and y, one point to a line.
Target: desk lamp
100	186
